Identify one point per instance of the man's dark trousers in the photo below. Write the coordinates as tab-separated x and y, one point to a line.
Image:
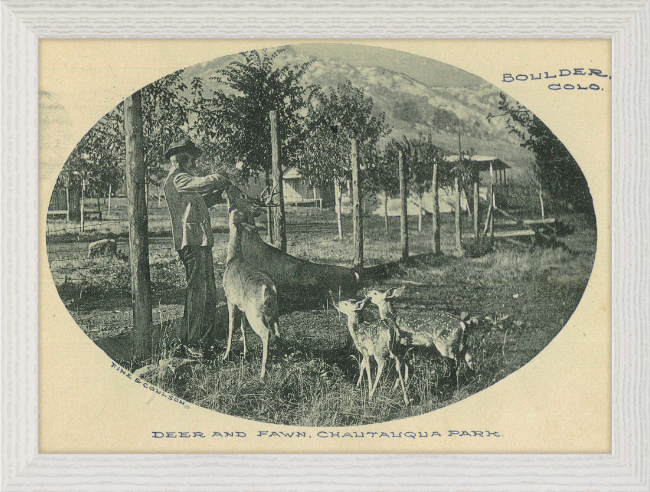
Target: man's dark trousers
201	297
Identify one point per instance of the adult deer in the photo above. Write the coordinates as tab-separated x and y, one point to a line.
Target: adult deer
376	339
249	292
440	329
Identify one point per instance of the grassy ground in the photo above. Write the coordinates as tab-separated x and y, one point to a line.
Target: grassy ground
522	298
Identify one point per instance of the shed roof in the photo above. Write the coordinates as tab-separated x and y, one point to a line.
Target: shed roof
291	173
482	162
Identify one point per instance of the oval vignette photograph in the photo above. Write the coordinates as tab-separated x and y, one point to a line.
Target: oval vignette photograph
320	234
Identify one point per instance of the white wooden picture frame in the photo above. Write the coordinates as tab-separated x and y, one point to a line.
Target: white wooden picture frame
627	23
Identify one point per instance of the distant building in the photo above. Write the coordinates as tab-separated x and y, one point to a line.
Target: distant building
446	196
297	190
483	163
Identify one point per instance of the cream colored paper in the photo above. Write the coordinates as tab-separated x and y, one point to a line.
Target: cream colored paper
560	402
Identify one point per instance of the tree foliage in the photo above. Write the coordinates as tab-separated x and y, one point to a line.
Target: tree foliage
334	118
555	168
384	176
420	154
100	156
165	119
234	124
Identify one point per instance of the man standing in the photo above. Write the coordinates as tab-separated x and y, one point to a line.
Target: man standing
188	198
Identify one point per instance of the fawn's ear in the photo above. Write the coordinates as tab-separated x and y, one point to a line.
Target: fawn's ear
396	292
336	306
359	305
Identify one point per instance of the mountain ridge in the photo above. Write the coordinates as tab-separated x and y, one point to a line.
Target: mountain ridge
411	106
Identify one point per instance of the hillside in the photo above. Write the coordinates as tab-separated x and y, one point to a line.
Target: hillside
411	105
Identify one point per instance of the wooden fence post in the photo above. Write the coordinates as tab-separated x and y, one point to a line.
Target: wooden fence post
476	179
338	194
386	212
269	214
436	210
457	214
403	197
82	204
138	226
492	200
67	203
279	223
357	219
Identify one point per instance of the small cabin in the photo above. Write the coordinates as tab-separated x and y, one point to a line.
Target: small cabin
446	197
297	190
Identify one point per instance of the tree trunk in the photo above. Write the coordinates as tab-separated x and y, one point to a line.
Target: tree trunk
83	199
357	219
403	196
279	223
541	201
110	192
99	207
67	203
492	200
457	215
476	204
339	202
436	210
420	214
269	215
138	227
386	211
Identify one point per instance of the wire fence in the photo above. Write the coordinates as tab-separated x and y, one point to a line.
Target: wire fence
96	286
95	282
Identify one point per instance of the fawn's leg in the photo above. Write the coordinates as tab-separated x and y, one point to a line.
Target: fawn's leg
380	367
457	372
362	366
232	312
406	375
367	364
399	374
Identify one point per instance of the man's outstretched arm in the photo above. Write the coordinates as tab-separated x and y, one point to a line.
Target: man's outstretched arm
186	183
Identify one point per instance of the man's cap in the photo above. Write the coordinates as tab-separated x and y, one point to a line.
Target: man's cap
184	145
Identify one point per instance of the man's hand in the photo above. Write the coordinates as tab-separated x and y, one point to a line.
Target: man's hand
219	184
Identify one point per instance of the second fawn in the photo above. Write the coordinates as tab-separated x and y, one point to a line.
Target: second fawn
439	329
376	339
249	292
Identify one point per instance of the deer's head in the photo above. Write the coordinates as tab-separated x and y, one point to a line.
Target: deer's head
349	307
379	297
383	298
247	207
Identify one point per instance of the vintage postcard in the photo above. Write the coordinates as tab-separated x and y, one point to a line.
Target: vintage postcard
331	246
